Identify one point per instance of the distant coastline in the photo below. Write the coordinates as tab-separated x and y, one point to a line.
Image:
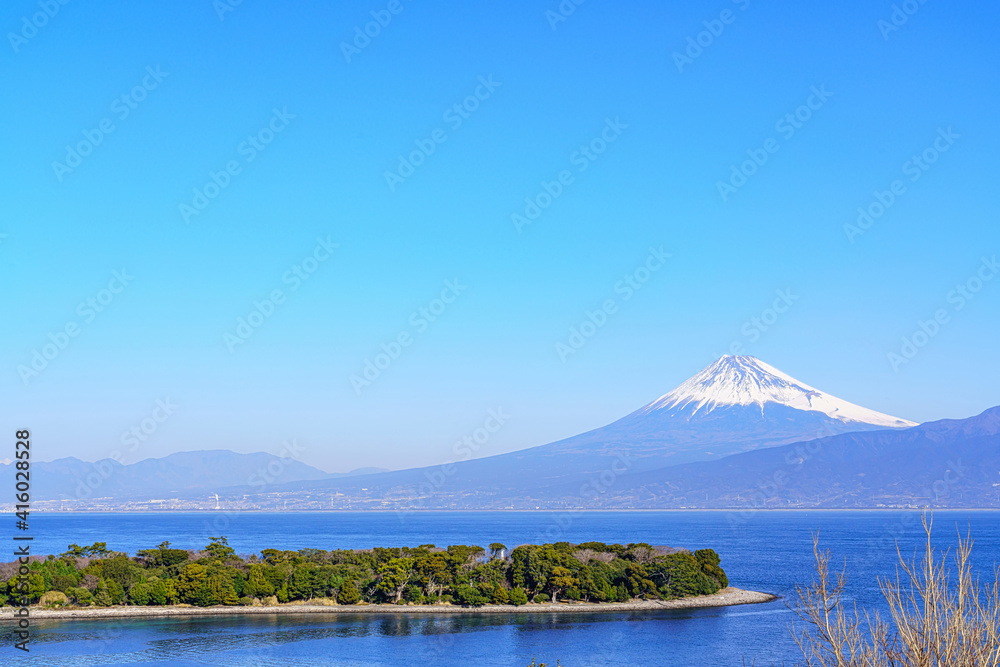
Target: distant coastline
725	598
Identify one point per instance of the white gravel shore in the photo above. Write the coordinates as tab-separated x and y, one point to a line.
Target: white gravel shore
724	598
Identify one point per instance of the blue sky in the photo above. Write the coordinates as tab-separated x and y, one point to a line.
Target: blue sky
662	131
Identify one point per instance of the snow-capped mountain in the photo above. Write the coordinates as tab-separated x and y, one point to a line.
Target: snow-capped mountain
748	381
735	405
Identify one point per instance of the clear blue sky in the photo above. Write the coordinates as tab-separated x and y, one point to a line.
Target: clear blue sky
673	134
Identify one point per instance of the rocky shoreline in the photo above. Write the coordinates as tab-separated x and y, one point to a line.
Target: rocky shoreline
724	598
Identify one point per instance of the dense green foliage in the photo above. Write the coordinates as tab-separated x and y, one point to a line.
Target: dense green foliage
465	575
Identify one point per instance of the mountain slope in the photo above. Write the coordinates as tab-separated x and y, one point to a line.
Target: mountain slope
736	404
947	463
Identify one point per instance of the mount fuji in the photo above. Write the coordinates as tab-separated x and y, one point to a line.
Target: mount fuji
737	404
748	381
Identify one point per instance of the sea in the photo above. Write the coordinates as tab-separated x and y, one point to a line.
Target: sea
769	551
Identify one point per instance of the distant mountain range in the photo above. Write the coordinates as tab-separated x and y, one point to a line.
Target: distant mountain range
179	475
947	463
738	434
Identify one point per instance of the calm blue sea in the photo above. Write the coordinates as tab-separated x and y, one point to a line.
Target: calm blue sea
765	551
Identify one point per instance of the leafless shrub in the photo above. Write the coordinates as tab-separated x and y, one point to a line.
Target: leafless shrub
90	582
663	550
939	616
644	555
586	555
8	571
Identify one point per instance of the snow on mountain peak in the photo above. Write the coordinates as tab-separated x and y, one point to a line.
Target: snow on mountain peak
745	380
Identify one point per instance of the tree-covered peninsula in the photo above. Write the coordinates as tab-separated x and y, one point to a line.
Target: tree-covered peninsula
592	572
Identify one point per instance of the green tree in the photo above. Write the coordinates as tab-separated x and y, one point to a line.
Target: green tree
348	593
121	570
63	582
102	597
190	583
160	592
500	595
141	593
393	578
561	579
257	585
433	573
36	586
219	589
300	585
219	549
709	562
518	596
80	596
467	595
414	594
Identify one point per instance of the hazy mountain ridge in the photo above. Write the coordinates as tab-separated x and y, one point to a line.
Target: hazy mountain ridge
953	462
180	474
